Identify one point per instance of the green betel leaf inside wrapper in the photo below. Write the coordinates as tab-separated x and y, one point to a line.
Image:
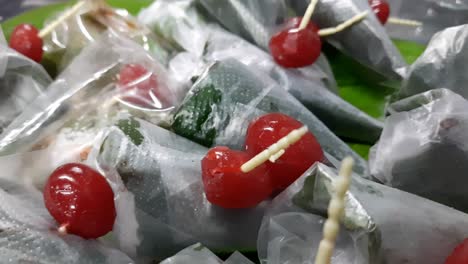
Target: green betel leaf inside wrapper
130	128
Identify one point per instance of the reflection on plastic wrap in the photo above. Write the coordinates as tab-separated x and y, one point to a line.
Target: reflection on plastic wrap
367	42
435	15
160	198
27	233
442	65
424	150
89	94
66	41
380	224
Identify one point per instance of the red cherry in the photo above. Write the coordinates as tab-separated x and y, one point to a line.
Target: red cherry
459	254
267	130
227	186
381	9
25	39
81	200
293	48
138	84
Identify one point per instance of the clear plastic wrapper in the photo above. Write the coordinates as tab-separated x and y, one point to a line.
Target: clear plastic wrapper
253	20
71	36
423	150
21	81
380	224
27	233
209	42
442	65
367	41
160	197
90	93
228	95
198	254
435	15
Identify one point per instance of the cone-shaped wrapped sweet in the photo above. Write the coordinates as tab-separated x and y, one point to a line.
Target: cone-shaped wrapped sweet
21	81
27	233
380	224
161	205
423	148
367	42
433	16
442	65
67	40
111	75
228	95
257	21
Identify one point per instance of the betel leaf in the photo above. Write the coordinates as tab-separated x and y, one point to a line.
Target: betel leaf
195	120
130	128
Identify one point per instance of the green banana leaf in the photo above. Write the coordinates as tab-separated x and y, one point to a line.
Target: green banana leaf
354	84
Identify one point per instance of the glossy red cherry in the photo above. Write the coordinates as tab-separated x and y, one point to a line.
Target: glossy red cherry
80	200
293	48
25	39
459	254
267	130
381	9
140	87
227	186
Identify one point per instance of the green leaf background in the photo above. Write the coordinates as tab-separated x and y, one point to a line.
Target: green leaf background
367	94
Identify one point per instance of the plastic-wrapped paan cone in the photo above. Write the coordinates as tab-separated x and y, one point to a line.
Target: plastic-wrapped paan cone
27	232
376	219
158	175
257	22
433	15
367	42
442	65
21	81
228	95
423	148
198	254
91	81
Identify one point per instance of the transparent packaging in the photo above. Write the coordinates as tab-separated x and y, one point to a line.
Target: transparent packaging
21	81
198	254
99	84
180	21
435	15
29	233
442	65
367	42
161	205
423	148
380	224
228	95
92	19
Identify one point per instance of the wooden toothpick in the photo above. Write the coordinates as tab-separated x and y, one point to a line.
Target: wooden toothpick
308	14
51	26
335	212
274	149
330	31
404	22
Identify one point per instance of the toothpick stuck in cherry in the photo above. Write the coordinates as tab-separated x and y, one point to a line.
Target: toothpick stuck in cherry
28	40
300	45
